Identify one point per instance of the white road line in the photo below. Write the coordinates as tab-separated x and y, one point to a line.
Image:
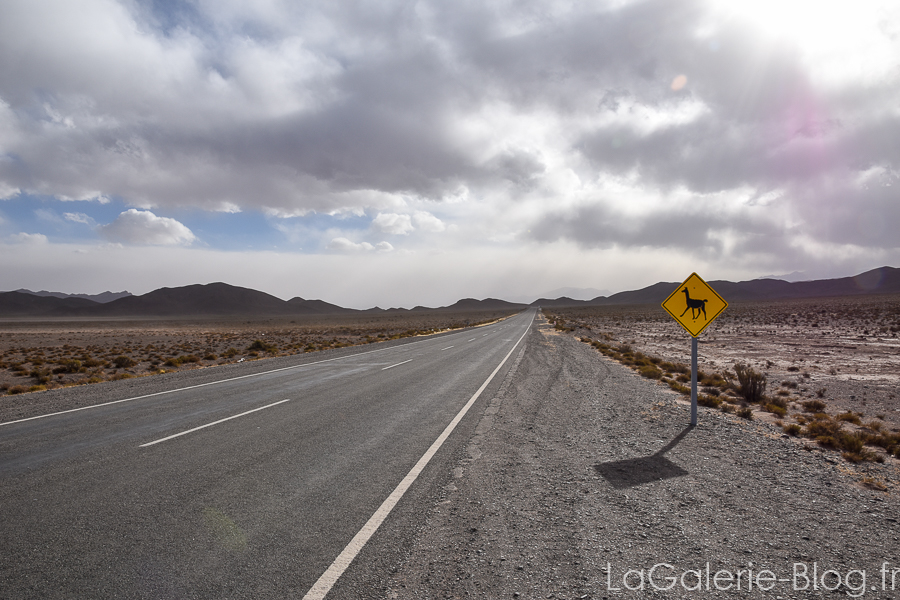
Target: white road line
397	365
213	423
199	385
447	348
325	582
472	340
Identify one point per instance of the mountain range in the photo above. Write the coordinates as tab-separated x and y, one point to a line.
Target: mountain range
222	299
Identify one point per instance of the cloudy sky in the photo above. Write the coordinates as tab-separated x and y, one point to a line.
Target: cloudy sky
416	152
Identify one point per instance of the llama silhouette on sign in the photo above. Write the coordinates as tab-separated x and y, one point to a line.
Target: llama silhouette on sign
694	305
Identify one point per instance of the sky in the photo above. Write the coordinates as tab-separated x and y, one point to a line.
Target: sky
402	153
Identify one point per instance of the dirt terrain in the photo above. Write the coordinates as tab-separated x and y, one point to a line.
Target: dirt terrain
583	476
40	355
842	352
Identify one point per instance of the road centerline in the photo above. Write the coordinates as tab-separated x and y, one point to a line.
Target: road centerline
397	365
213	423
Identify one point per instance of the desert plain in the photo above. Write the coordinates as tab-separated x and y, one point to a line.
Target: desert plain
831	360
40	354
833	357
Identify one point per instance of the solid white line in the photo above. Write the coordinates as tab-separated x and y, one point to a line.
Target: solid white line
447	348
397	365
324	584
199	385
213	423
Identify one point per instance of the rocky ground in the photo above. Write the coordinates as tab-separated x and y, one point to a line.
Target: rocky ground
582	476
843	351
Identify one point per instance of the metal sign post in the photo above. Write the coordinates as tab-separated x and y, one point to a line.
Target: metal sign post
693	380
704	305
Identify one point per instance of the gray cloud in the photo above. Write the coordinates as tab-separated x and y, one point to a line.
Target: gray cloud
522	107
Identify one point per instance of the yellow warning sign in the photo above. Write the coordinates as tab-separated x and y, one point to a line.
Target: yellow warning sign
694	304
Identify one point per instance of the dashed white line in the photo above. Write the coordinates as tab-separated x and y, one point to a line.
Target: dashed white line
447	348
397	365
213	423
472	340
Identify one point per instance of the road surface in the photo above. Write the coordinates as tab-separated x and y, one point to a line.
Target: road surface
248	486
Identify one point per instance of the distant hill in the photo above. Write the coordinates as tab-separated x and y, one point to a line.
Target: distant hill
470	304
214	299
884	280
102	298
221	299
19	304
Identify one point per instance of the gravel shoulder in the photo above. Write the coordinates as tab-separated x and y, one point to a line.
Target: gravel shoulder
581	471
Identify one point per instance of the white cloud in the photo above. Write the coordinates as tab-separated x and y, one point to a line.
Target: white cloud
346	246
79	218
143	227
342	244
28	238
426	221
8	191
393	223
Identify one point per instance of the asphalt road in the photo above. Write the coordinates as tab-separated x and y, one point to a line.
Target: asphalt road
248	486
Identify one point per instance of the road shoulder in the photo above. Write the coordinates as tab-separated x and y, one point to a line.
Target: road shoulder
580	471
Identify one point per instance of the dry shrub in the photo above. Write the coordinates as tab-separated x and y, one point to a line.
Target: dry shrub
813	406
752	383
849	417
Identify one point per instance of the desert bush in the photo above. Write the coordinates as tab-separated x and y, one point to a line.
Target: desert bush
779	402
41	375
789	384
650	372
123	362
820	393
17	389
679	388
90	363
745	413
813	406
230	353
849	417
752	383
793	369
889	441
710	401
775	409
261	346
793	429
210	356
68	366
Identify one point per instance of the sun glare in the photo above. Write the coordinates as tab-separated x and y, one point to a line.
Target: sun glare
838	39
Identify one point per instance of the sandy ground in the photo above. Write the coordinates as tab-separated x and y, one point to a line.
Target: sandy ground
843	351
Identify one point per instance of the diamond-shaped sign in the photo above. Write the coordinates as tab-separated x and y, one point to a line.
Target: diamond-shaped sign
694	304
